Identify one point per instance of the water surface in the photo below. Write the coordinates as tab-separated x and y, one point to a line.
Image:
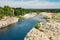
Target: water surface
19	30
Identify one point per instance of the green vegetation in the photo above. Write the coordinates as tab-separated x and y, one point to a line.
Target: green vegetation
37	26
1	12
21	11
8	11
27	37
5	11
19	16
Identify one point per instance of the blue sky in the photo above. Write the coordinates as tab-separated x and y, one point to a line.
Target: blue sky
38	4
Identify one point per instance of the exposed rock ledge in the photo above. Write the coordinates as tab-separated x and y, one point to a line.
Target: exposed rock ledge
47	31
7	21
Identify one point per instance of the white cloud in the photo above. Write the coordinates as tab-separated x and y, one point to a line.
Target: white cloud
42	5
31	4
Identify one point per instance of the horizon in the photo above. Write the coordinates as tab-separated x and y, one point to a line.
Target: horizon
32	4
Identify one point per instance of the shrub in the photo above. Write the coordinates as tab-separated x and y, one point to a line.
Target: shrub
37	26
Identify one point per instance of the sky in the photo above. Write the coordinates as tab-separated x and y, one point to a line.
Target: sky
33	4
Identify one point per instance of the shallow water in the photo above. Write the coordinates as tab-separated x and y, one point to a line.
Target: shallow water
19	30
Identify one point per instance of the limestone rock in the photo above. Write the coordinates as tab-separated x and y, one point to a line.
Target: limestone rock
47	31
51	29
8	21
35	34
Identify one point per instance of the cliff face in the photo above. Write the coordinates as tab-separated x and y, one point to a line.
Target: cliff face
8	21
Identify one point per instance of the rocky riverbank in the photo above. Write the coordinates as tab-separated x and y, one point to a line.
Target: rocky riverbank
7	21
49	30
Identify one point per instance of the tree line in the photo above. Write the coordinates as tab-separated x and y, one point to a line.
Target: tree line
8	11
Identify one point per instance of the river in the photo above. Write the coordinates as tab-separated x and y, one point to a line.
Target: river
19	30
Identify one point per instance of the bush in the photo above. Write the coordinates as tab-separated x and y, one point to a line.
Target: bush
1	16
37	26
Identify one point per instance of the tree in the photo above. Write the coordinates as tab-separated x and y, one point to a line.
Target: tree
7	11
1	12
